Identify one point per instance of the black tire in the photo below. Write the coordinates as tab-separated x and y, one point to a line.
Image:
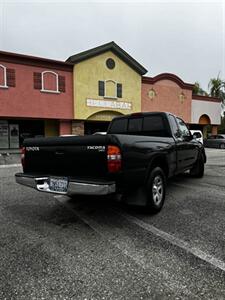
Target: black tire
156	190
198	169
222	146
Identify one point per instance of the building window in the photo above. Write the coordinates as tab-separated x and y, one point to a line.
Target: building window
110	63
50	82
3	81
7	77
110	89
101	88
119	90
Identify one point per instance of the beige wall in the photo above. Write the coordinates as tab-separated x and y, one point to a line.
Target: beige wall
86	76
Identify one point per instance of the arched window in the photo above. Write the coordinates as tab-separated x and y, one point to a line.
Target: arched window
3	77
110	89
49	82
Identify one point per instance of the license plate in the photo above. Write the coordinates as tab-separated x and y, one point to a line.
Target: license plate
58	185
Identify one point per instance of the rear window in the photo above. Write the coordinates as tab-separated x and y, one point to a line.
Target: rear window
119	126
153	125
135	125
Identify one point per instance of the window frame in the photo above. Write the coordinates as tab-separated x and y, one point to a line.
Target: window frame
57	83
115	96
115	89
5	86
181	135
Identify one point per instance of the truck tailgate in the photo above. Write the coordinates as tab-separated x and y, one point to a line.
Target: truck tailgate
68	156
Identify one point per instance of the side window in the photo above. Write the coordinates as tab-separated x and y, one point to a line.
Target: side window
118	126
174	126
135	125
183	130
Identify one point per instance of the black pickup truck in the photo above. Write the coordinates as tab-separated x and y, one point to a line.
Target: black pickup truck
134	159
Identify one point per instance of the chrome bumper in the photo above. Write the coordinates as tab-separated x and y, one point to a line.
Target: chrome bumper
74	187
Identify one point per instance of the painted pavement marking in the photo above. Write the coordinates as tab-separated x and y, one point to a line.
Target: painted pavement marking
217	263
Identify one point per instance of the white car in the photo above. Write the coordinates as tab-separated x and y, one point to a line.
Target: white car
197	134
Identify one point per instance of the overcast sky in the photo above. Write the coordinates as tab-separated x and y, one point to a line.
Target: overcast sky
186	38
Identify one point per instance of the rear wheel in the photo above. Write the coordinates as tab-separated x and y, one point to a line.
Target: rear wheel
222	146
156	189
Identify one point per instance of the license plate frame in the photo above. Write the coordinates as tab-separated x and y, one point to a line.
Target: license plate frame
58	184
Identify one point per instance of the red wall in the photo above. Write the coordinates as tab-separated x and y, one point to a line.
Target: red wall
167	99
25	101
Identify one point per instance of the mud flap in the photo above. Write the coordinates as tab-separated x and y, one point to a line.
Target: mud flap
136	197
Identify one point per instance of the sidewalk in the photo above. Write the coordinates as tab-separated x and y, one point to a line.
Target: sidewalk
7	158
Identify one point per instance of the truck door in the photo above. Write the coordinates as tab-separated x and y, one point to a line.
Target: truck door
186	150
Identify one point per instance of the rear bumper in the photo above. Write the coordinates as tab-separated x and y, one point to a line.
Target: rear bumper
41	183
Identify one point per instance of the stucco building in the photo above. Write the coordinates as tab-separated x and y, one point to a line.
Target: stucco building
43	97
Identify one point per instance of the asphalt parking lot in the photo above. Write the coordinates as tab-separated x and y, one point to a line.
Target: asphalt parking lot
52	247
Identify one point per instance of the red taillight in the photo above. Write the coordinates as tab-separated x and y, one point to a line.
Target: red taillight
114	159
23	151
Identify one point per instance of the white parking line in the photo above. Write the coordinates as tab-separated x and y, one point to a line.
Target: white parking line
176	241
120	242
219	264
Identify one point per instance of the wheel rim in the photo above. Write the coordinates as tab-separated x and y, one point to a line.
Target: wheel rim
222	146
157	190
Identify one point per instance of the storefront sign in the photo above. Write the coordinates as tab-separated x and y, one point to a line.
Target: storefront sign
4	134
14	135
109	104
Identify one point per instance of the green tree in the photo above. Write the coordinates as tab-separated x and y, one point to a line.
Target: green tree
217	88
197	90
221	128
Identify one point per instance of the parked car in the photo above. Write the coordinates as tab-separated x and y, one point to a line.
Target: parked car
197	134
134	159
215	141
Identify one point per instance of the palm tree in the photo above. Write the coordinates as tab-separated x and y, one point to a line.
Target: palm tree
217	88
197	90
